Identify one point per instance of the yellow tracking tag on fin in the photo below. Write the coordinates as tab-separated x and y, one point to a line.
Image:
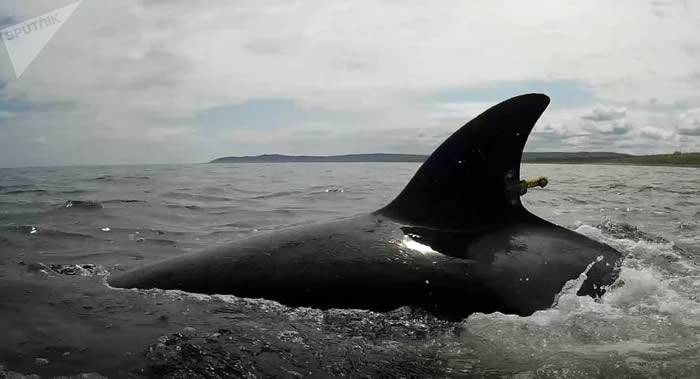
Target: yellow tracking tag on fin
538	182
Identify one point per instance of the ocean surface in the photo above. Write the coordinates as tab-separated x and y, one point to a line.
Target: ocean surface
64	230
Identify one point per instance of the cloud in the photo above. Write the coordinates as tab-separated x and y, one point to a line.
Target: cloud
656	133
563	93
689	123
691	131
603	114
178	81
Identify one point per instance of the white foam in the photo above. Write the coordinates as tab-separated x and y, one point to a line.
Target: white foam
653	304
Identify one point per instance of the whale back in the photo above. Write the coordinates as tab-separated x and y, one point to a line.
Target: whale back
471	181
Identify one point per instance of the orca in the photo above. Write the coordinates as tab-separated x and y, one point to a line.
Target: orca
455	241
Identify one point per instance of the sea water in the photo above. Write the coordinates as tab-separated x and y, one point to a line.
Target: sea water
64	230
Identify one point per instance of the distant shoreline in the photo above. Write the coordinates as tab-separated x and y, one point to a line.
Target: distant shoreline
677	159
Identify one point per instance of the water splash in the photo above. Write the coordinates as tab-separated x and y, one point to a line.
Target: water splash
647	321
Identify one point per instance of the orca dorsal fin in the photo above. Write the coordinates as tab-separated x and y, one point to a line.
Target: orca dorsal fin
472	179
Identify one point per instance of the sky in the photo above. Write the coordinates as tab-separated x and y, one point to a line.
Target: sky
177	81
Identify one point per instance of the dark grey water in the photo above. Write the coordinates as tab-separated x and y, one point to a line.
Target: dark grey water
106	219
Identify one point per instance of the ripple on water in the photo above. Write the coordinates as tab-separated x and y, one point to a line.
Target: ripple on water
194	197
83	204
127	201
276	194
28	191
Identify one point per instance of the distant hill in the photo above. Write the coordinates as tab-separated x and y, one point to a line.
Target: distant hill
384	157
561	157
676	159
278	158
685	159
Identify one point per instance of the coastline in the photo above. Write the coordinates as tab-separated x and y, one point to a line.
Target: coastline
668	160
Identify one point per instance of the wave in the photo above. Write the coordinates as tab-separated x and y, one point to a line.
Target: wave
328	190
231	187
276	194
73	192
86	269
111	178
651	308
190	207
120	201
46	233
576	201
21	229
616	185
621	230
194	197
18	192
313	192
157	241
83	204
647	188
58	234
240	225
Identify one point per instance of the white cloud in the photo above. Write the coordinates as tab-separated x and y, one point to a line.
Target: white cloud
129	75
605	114
689	123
